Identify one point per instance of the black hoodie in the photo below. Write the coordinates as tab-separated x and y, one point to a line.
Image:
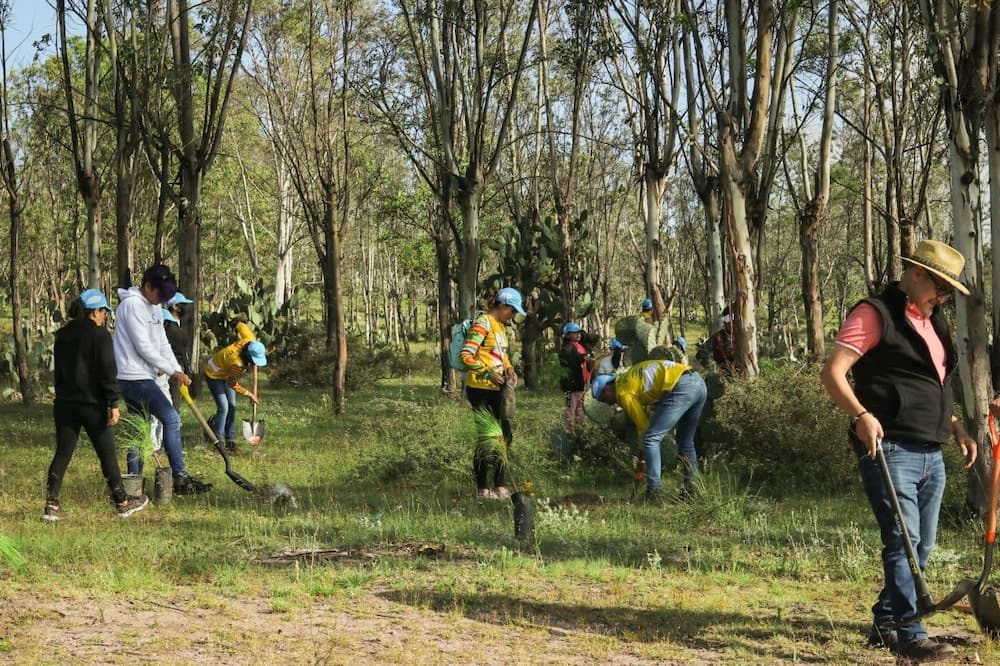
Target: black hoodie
85	365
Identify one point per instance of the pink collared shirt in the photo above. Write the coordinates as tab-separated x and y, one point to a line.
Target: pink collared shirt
862	330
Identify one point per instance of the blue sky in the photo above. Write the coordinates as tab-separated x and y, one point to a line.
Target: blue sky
30	19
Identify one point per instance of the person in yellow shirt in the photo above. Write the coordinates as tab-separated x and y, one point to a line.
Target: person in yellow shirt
486	358
675	394
222	376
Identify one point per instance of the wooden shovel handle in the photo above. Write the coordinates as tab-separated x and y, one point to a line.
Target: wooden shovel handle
991	512
197	413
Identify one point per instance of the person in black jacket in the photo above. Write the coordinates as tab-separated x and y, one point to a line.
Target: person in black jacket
900	353
575	357
176	339
86	397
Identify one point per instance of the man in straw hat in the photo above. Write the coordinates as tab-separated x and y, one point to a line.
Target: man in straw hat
898	347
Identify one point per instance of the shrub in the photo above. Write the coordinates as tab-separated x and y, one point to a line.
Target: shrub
783	430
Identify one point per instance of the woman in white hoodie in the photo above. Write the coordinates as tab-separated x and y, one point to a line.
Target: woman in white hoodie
142	353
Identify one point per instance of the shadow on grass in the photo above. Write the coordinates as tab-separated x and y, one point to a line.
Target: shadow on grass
697	629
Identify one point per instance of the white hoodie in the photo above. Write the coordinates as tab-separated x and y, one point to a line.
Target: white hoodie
141	347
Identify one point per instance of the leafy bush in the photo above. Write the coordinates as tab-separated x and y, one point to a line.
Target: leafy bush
307	361
782	429
274	325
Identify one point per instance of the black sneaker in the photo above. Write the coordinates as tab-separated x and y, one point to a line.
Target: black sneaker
926	650
231	448
52	512
883	638
131	505
654	496
188	485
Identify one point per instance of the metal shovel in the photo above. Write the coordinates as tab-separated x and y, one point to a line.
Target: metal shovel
253	430
925	602
230	472
984	602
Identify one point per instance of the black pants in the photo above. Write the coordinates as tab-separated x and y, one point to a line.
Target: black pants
483	462
70	418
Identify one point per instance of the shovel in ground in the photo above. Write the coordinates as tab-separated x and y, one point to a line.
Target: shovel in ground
925	602
232	474
984	602
253	430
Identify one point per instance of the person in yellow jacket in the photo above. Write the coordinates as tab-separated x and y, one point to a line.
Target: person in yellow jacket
675	395
486	358
222	376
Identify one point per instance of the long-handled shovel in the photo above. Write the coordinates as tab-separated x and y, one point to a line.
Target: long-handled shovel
984	602
232	474
925	602
253	430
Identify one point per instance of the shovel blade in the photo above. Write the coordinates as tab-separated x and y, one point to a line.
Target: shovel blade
253	431
986	607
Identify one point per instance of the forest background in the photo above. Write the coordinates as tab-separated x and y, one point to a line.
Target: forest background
354	177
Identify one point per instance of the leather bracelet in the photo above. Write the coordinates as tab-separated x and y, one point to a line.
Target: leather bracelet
855	418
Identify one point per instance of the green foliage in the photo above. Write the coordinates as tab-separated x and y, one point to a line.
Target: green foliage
274	325
10	554
529	253
134	434
783	431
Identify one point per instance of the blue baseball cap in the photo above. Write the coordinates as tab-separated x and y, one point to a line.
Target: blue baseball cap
682	343
169	316
94	299
597	386
512	297
258	354
616	344
178	299
646	304
571	327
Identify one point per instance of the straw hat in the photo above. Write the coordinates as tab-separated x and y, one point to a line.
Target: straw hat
944	261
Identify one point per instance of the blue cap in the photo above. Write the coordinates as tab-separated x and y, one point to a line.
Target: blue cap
616	344
94	299
597	386
646	304
257	353
682	343
178	299
169	316
571	327
512	297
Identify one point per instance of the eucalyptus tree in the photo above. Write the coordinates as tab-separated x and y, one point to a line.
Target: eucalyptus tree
84	125
463	54
964	47
905	135
13	181
649	68
812	202
749	110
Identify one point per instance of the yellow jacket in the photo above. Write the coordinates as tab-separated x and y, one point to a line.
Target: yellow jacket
485	352
227	363
644	384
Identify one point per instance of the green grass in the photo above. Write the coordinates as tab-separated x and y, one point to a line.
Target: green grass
733	578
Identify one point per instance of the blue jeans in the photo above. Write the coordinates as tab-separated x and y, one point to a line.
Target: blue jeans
919	479
681	409
143	395
225	409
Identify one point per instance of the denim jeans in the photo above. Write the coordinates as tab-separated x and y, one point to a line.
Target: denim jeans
681	409
225	409
143	395
919	478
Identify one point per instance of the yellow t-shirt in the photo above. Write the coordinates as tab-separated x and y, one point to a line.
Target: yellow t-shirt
485	351
644	384
227	363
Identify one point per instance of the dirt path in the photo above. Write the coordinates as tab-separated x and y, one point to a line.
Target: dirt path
371	625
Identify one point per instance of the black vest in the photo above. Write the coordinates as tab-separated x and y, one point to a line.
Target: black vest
897	381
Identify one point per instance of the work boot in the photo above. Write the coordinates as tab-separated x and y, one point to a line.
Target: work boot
188	485
654	496
926	650
883	638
